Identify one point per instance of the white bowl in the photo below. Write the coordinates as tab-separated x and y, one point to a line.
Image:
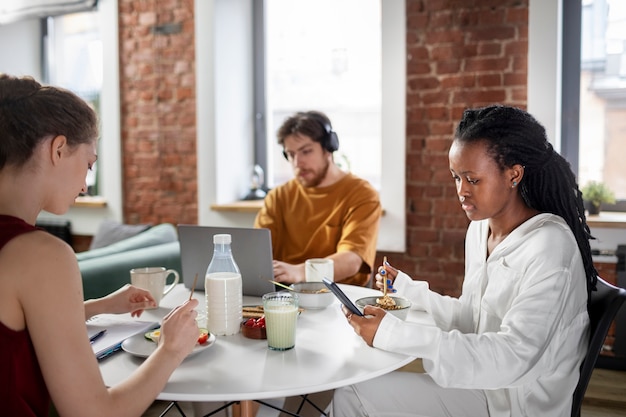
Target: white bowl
401	312
310	298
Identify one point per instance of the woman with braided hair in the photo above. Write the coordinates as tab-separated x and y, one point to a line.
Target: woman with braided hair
513	342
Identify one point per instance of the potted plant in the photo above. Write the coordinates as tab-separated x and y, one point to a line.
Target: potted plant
596	193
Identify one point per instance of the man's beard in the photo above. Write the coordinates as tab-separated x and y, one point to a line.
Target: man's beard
316	180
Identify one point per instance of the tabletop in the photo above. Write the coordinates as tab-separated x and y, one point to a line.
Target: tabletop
328	354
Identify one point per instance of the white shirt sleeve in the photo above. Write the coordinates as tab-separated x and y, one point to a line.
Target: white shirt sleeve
517	311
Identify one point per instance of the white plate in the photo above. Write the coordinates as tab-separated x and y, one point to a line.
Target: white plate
139	346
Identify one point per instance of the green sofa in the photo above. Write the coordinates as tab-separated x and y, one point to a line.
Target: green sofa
106	269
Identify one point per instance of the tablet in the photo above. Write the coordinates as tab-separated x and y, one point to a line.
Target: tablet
342	296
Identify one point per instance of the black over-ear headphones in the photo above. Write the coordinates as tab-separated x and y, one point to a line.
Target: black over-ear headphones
330	141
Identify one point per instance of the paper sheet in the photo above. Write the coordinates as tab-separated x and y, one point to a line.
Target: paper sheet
117	328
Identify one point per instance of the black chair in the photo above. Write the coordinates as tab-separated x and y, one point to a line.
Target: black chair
604	305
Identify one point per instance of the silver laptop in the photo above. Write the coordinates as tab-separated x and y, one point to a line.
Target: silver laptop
252	250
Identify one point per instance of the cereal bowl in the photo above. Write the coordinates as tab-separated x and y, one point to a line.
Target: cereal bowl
402	305
313	295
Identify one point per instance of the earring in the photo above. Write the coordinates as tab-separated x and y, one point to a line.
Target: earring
514	184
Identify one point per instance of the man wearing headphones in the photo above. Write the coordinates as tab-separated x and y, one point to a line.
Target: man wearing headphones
323	212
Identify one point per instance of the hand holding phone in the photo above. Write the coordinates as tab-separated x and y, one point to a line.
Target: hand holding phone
342	296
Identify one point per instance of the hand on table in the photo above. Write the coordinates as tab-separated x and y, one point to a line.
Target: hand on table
288	273
127	299
367	325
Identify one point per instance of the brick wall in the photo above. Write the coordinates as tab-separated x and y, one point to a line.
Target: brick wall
158	115
461	53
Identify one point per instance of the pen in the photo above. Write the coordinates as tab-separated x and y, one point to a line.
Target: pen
97	336
109	352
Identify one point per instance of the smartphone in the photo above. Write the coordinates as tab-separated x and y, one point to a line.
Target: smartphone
342	296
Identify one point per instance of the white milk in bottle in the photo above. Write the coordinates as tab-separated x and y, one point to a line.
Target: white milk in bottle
223	289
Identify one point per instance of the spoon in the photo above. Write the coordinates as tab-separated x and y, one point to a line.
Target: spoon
193	287
385	300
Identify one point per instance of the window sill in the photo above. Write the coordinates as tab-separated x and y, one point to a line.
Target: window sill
608	219
247	206
90	201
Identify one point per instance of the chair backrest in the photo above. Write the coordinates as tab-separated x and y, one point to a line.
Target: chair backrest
603	306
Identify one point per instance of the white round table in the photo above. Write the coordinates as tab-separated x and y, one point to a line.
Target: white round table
328	354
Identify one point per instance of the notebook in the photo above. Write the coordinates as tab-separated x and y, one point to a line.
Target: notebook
117	330
252	250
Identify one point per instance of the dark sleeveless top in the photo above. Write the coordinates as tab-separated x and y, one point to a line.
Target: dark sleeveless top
23	391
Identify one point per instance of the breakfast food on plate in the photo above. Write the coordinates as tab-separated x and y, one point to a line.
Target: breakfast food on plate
154	336
386	303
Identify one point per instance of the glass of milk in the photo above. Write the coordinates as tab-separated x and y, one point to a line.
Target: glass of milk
281	314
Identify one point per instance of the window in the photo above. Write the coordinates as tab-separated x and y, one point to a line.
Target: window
232	113
73	60
602	129
332	64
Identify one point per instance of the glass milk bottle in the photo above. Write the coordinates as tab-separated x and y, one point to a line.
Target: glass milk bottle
223	289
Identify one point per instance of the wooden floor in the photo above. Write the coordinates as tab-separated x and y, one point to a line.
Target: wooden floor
606	394
605	397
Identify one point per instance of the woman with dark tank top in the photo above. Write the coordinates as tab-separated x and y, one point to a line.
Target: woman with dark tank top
48	141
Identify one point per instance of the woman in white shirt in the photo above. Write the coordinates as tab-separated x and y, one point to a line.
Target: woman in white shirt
513	342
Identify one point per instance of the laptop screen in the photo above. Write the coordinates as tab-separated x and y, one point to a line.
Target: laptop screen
252	251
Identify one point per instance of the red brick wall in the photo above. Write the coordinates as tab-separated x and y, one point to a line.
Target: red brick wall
461	53
158	115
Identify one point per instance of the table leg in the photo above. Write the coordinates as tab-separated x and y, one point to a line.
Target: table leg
246	408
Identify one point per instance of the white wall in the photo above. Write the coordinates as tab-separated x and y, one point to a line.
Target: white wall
221	108
17	55
544	65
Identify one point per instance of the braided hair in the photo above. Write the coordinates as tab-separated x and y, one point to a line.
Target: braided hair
549	185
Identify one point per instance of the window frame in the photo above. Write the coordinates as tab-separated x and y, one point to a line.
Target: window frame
570	76
86	216
571	43
226	133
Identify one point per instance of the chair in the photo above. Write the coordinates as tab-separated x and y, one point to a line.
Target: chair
603	306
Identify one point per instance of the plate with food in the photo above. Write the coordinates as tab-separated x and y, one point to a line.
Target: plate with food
142	345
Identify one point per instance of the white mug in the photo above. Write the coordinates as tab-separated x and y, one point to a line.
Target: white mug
154	279
317	268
